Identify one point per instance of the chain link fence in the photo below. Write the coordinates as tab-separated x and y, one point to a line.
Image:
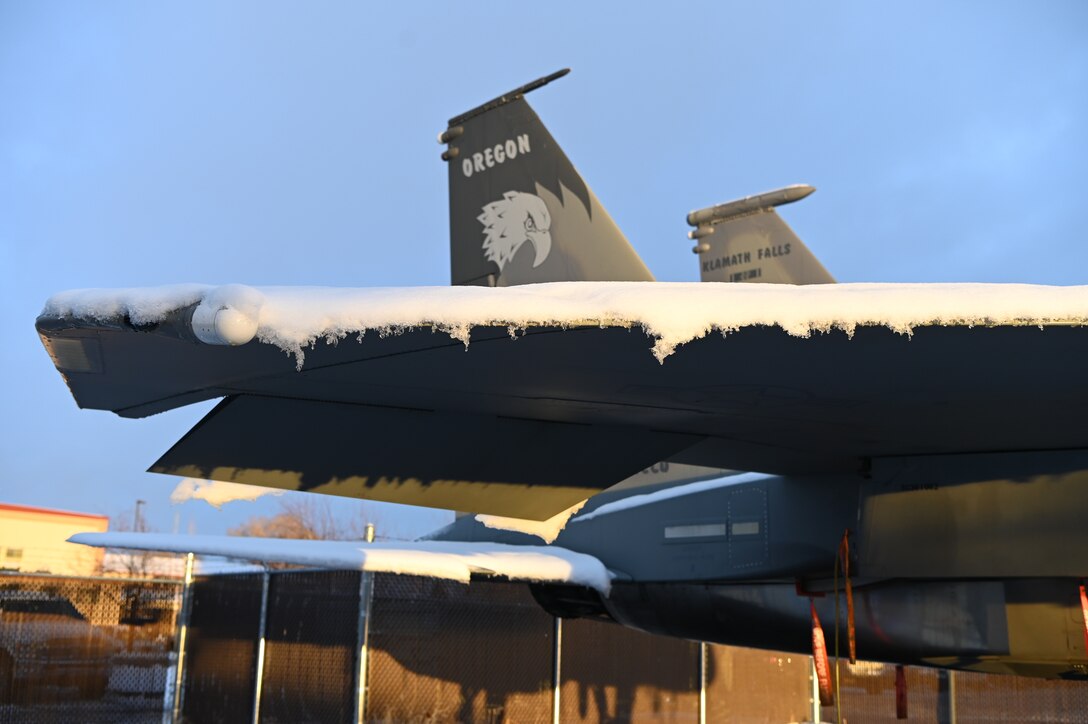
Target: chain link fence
289	646
444	652
311	647
982	699
751	685
85	649
611	674
221	652
867	694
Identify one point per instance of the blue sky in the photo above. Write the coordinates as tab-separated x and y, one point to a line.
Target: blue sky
289	143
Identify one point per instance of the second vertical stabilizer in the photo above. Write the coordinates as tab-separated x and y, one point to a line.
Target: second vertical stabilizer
747	241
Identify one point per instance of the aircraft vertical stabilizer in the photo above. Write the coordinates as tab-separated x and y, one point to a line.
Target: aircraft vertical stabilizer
519	211
747	241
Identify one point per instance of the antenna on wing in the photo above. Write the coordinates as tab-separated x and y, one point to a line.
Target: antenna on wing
501	101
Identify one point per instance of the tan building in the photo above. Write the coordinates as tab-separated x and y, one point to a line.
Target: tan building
34	540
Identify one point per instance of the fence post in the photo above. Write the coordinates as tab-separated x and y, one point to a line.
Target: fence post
557	661
366	598
178	684
262	630
946	696
702	682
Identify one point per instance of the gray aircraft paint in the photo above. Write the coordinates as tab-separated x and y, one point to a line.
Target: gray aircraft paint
747	241
502	148
672	473
949	516
1003	600
960	520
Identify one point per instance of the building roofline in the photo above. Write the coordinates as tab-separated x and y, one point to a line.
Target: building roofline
49	511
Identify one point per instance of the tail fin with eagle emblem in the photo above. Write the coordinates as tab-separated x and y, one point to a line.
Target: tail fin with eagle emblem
519	211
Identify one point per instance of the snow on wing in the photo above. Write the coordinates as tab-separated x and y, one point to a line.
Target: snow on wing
449	560
767	378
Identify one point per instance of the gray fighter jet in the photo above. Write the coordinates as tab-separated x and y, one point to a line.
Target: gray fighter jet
945	469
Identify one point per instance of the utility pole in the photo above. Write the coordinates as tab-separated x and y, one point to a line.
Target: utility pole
137	520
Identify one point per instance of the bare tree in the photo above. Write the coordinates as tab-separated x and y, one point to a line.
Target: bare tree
306	519
133	564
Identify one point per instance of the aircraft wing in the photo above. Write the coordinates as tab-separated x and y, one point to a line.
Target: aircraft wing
522	402
450	560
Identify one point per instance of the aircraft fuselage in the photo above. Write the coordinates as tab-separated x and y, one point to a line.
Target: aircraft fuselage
969	562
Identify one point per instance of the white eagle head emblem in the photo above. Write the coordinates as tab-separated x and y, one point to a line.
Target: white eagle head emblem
513	220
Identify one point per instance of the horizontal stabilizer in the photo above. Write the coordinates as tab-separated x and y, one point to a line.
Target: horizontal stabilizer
487	464
449	560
